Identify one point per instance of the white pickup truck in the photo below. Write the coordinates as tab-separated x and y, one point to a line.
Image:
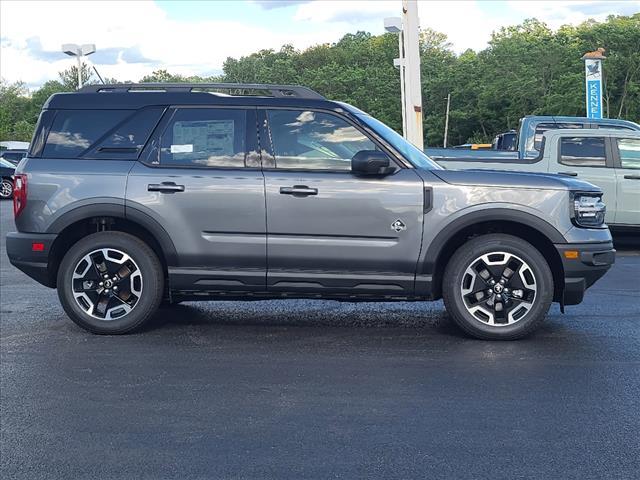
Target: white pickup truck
607	158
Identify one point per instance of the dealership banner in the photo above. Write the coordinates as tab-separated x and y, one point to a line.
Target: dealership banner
593	76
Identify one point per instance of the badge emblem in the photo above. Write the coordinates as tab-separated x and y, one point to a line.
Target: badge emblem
398	226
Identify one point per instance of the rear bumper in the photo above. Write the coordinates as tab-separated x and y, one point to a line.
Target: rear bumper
592	262
20	250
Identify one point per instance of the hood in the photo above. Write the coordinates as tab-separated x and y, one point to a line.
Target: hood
500	178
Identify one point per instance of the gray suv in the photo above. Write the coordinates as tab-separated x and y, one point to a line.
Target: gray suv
141	195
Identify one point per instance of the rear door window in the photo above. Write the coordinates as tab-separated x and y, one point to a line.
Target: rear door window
73	132
205	137
583	151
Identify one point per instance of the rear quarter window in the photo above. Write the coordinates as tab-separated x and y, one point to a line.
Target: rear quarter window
114	134
73	132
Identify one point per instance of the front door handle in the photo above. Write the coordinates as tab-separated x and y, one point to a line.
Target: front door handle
165	187
298	191
632	177
569	174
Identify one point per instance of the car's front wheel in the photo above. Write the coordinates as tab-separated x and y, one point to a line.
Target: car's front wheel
498	287
110	283
6	189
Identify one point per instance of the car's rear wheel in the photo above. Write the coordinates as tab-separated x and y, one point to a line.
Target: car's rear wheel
110	283
498	287
6	189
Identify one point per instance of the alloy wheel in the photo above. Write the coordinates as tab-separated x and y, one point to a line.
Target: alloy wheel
107	284
498	288
6	189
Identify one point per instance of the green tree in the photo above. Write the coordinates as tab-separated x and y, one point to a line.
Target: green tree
526	69
69	77
13	104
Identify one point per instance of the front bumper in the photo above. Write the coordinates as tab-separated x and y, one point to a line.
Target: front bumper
20	250
584	269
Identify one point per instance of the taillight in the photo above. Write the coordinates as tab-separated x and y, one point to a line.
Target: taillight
19	194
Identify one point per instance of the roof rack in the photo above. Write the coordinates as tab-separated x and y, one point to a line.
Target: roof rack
274	90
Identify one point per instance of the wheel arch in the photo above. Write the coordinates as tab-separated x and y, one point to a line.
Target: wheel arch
541	234
84	220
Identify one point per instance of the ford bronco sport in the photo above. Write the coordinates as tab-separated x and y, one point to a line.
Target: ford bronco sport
136	195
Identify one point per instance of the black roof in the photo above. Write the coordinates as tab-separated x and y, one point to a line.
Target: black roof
133	96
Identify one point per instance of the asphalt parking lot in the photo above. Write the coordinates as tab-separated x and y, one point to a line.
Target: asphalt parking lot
311	389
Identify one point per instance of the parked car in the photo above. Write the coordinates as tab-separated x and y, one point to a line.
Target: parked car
473	146
7	170
607	158
135	195
13	156
529	138
506	141
13	145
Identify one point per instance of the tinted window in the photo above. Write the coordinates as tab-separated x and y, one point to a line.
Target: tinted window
629	152
585	152
75	131
13	155
543	127
314	140
134	132
205	137
614	127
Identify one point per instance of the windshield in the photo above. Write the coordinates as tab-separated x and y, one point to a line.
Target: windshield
6	163
408	150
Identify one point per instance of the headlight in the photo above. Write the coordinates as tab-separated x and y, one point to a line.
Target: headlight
588	209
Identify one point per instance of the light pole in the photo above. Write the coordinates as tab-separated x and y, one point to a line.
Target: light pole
394	25
79	51
409	63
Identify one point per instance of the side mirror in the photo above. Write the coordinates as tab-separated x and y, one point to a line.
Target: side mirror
371	162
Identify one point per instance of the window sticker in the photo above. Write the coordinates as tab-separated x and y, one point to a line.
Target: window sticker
215	137
182	148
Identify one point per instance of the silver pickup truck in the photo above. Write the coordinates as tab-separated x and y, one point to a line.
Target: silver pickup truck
609	159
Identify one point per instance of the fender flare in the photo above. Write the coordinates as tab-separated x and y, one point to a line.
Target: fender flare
117	210
428	261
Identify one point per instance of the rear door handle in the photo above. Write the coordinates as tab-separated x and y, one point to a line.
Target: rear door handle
569	174
632	177
165	187
298	191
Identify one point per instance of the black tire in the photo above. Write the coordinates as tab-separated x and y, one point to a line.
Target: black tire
6	189
152	280
465	257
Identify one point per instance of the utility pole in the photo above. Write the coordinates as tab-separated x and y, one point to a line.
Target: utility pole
412	85
446	120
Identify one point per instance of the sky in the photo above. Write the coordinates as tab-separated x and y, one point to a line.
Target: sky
133	38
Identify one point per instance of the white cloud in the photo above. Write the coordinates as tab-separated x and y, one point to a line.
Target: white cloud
558	13
200	46
348	11
186	47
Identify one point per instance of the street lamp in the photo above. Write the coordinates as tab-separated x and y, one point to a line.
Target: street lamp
408	32
79	51
394	25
